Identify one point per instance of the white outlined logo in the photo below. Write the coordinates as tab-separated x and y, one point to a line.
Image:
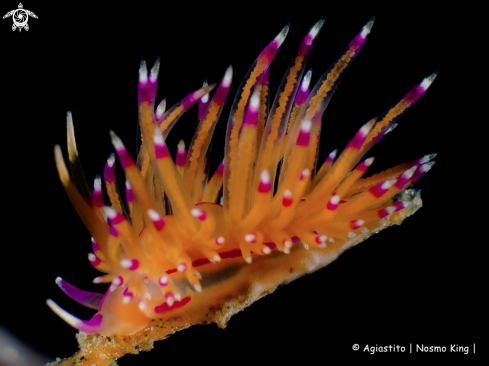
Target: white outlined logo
20	17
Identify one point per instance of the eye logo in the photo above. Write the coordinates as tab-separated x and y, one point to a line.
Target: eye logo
20	17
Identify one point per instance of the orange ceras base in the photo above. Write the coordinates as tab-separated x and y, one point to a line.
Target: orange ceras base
211	256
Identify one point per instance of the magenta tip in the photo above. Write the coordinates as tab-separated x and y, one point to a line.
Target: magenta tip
220	169
363	166
333	202
161	151
122	153
198	213
265	184
304	133
306	44
251	117
109	170
203	103
331	157
156	218
129	193
114	216
417	92
287	200
361	37
361	135
303	91
271	50
379	189
144	88
130	264
192	98
98	199
223	88
113	232
181	158
405	177
95	246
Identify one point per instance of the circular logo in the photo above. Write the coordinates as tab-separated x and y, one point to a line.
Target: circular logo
20	17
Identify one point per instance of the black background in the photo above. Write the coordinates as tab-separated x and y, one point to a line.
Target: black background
419	283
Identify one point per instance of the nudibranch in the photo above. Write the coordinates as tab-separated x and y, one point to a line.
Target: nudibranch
183	246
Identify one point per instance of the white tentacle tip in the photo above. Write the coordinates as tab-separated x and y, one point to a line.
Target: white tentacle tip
255	100
281	36
425	84
153	76
369	25
154	215
158	137
335	199
389	183
143	72
409	173
250	238
198	287
306	81
228	77
116	141
63	314
111	160
69	117
160	110
110	212
306	126
265	176
369	161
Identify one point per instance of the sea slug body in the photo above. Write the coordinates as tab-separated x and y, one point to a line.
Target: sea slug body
184	245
